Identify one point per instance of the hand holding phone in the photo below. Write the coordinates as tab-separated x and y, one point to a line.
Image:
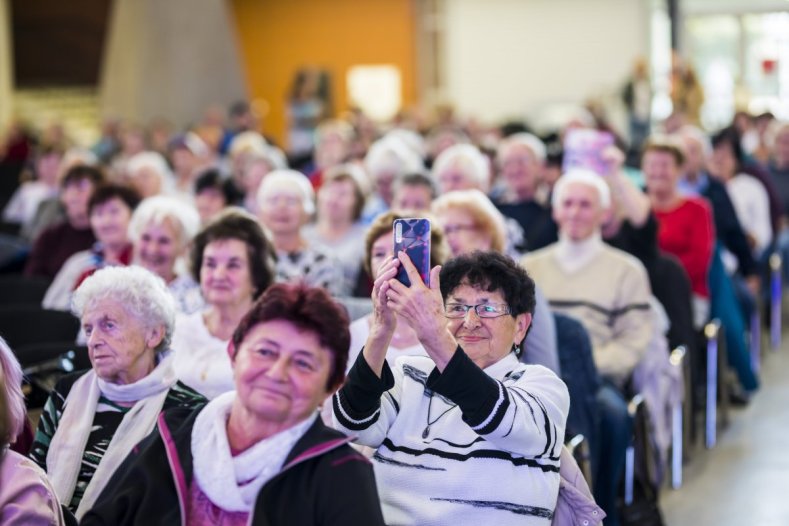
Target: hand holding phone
412	235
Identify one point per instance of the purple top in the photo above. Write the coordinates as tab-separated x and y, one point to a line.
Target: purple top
203	512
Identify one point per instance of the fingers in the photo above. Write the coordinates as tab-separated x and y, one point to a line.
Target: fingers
408	265
435	283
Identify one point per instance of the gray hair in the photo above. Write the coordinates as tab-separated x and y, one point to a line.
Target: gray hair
152	160
528	140
694	132
142	293
392	153
158	209
288	179
474	162
582	176
11	397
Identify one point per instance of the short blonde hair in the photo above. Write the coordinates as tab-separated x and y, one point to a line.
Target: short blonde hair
481	209
12	401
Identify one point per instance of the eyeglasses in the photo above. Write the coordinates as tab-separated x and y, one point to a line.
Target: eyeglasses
483	310
451	229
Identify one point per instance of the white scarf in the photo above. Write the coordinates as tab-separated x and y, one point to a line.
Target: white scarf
572	256
233	483
64	458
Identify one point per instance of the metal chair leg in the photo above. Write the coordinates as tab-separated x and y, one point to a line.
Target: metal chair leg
677	360
711	331
630	454
775	301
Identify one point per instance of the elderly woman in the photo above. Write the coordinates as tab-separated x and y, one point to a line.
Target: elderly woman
388	159
109	209
149	174
450	427
161	230
287	201
233	261
92	420
26	497
462	166
260	454
337	228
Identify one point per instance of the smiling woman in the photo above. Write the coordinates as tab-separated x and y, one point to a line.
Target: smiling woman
92	420
261	454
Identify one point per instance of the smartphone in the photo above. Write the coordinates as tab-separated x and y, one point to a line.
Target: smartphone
412	235
583	148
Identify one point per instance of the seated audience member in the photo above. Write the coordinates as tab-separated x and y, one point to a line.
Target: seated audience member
287	201
337	229
148	173
22	207
256	166
779	171
57	243
26	496
696	181
464	167
214	193
413	191
233	261
449	427
685	227
607	290
748	194
379	248
93	420
520	159
333	139
187	154
161	231
259	454
471	222
51	210
387	160
110	209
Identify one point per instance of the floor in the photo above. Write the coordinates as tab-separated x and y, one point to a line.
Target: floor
744	480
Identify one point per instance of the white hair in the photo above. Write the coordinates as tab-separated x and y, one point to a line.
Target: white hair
11	397
244	142
582	176
292	180
476	164
158	209
195	144
269	154
392	154
414	141
528	140
695	133
152	160
142	293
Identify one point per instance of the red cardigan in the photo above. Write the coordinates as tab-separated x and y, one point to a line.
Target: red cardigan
687	232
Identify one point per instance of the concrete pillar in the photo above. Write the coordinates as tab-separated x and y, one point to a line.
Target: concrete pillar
170	59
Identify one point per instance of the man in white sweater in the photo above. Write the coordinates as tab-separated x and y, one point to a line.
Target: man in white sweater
608	291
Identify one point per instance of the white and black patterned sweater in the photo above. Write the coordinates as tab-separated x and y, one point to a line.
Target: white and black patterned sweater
490	455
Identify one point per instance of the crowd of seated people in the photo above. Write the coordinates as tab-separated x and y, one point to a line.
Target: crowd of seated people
207	269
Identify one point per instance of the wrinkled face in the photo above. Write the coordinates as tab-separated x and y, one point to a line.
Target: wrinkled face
336	200
281	372
109	221
382	250
282	211
209	202
225	276
146	181
723	164
579	213
520	170
415	197
661	171
485	340
157	248
463	234
75	197
120	347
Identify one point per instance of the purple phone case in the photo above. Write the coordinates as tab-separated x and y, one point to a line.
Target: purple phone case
413	236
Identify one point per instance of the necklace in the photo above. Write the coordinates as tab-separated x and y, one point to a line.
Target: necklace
429	423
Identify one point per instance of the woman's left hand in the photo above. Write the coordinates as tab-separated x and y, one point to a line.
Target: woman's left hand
422	307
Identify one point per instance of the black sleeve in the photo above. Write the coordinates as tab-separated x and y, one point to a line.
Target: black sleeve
341	507
360	396
476	393
729	230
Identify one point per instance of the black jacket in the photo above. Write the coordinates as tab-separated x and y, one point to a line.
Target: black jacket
324	482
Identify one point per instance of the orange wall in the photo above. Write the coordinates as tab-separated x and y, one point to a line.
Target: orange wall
277	37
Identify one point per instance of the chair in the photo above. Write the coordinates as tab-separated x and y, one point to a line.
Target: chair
776	290
22	290
27	325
